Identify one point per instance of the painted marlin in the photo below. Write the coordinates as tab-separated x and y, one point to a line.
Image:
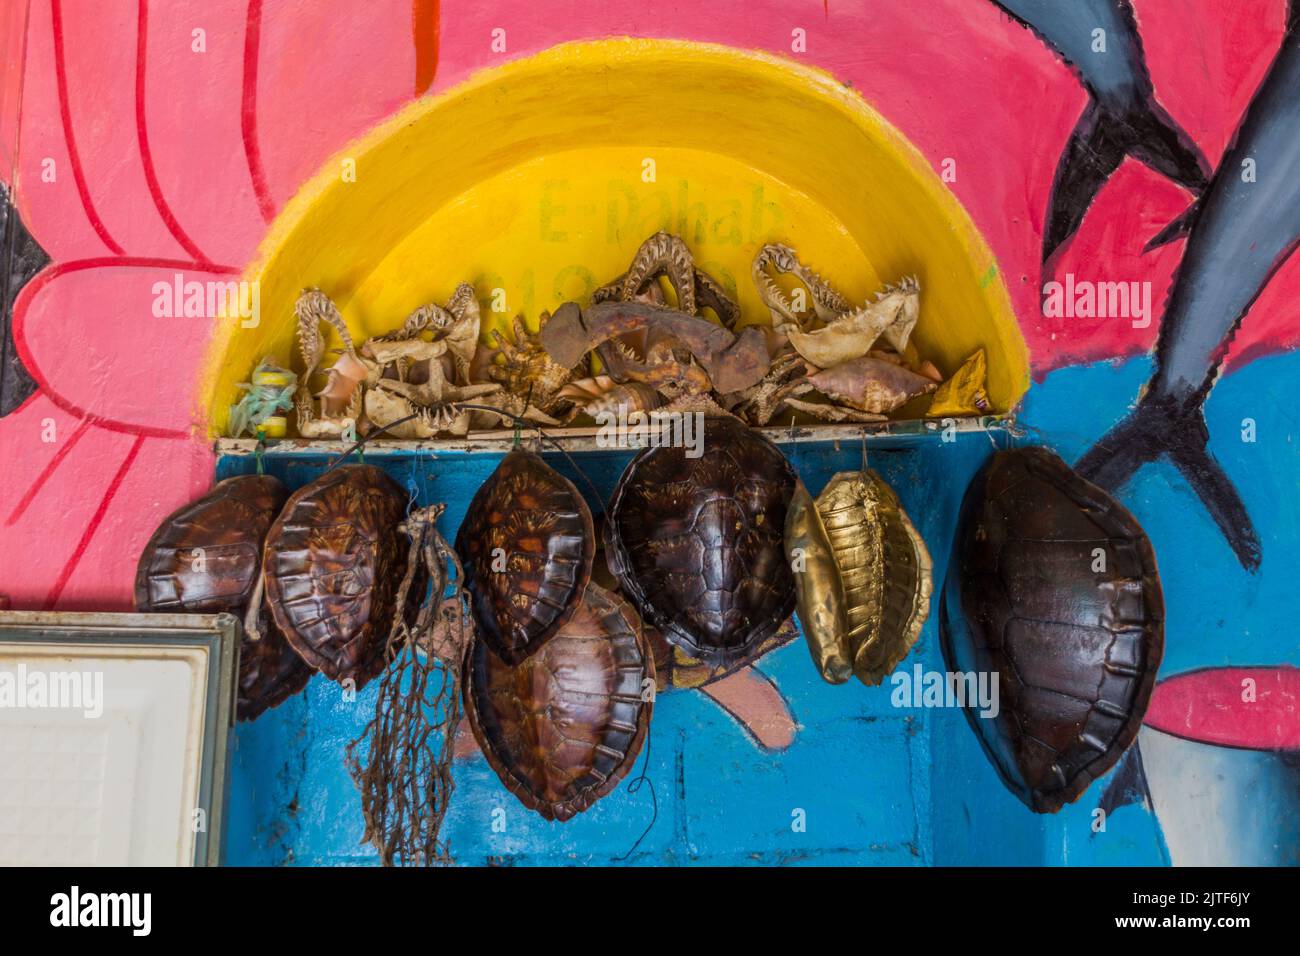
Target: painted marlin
1240	232
1122	117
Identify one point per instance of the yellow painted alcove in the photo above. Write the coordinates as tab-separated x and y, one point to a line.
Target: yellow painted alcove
536	182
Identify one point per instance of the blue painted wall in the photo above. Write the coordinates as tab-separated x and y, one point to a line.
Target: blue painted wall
877	784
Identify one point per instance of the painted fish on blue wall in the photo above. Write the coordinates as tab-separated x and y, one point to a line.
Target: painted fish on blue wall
1122	117
1240	232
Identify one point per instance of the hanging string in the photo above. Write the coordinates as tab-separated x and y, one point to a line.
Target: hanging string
633	786
519	422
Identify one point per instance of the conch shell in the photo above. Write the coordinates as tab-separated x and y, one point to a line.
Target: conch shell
343	379
602	395
892	316
862	576
870	384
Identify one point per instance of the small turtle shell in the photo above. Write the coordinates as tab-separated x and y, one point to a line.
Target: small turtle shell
696	543
333	562
204	559
564	726
862	573
1053	589
534	517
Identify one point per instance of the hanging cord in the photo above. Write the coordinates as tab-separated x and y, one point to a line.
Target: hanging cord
519	423
406	782
633	786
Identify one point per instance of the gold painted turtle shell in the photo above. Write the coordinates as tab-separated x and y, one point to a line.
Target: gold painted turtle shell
862	573
1053	588
533	517
333	562
204	559
696	543
564	726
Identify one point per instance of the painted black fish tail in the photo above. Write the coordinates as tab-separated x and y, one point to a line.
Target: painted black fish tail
1158	428
1100	142
1128	785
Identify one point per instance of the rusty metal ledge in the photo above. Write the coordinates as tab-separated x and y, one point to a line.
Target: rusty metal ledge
884	434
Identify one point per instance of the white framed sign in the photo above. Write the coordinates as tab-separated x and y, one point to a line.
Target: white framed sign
114	737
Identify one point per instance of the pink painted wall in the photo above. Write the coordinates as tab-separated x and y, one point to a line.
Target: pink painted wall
164	157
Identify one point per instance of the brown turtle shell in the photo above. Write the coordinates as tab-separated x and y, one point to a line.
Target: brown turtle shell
674	668
1053	589
563	727
533	518
204	559
696	543
333	562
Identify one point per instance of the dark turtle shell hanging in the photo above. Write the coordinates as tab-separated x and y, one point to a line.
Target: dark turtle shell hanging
1053	589
333	562
696	543
527	544
674	668
563	727
204	559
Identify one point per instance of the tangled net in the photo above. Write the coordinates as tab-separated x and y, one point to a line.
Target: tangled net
406	782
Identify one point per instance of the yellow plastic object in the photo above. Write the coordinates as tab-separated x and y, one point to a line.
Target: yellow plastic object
276	377
536	182
964	393
277	426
